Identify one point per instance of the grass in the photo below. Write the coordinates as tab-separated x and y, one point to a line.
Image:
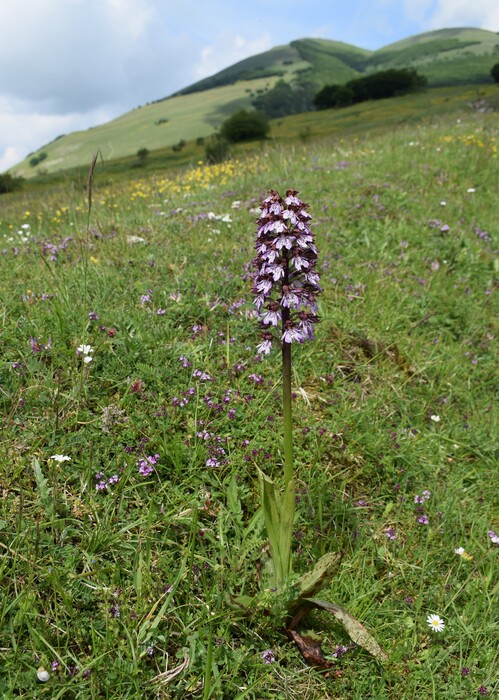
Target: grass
123	588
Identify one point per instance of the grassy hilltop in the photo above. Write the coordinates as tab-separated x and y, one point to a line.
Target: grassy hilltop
130	334
446	57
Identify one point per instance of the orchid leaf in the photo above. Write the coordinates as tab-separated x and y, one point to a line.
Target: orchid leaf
278	517
356	631
314	581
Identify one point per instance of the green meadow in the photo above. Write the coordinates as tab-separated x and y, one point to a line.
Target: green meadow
136	413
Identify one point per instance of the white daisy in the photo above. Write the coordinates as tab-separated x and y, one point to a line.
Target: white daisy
435	622
60	458
460	551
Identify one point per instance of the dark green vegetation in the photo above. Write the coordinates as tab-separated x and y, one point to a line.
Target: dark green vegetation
8	183
378	86
494	72
121	579
245	126
278	82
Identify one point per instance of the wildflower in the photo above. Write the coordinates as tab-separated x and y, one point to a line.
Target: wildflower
285	283
483	690
60	458
423	520
390	533
92	316
435	419
494	538
36	346
339	650
465	671
42	675
145	464
268	656
435	622
85	351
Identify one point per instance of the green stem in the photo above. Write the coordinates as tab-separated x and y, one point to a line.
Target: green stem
287	413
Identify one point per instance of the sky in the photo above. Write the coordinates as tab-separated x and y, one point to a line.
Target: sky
67	65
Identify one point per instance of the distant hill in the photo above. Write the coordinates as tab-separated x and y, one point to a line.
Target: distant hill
445	57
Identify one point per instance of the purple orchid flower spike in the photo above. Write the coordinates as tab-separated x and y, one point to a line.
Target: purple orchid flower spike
286	283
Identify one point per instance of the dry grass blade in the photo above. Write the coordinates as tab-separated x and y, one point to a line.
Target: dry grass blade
169	675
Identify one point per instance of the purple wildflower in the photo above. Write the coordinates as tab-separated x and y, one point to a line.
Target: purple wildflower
146	464
285	283
268	656
483	690
36	346
339	650
494	538
390	533
423	520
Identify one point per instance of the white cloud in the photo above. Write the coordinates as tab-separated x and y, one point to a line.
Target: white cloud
483	14
30	130
10	156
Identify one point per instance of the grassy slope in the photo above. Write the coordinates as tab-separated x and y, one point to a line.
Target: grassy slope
356	120
445	57
199	113
124	583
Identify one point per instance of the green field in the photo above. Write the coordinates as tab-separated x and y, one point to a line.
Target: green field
118	583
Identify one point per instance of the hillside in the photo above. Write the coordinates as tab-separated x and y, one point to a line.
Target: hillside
445	57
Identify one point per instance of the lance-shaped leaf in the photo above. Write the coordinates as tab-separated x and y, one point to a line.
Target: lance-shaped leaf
314	581
356	631
278	517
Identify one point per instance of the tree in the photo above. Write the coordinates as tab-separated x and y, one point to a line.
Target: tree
9	183
334	96
377	86
494	72
245	126
284	99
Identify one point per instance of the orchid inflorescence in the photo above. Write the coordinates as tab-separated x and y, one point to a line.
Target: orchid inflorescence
286	283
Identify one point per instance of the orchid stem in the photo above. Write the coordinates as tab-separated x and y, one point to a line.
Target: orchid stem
287	413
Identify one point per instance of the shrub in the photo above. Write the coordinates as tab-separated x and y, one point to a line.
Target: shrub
245	126
37	159
178	146
494	72
8	183
142	153
217	149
